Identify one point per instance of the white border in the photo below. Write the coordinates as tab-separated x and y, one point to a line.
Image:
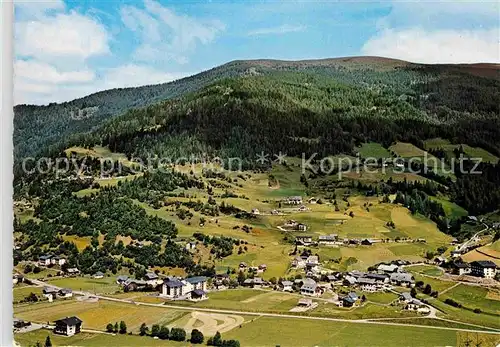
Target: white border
6	162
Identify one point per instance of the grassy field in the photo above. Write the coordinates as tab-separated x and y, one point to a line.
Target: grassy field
20	293
91	340
426	270
266	331
373	150
97	286
472	152
406	150
451	209
97	315
473	297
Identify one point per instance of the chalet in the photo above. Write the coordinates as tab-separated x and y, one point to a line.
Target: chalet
198	282
58	260
302	208
131	284
262	267
65	293
293	200
405	297
305	302
152	279
456	253
49	292
174	288
275	212
350	300
367	284
286	286
98	275
190	246
357	273
402	279
121	279
388	269
440	260
310	287
312	200
68	326
483	268
379	278
301	227
367	242
460	268
299	263
44	260
312	261
327	240
255	282
304	240
255	211
198	295
73	271
349	281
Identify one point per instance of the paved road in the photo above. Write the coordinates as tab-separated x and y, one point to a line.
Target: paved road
473	238
283	315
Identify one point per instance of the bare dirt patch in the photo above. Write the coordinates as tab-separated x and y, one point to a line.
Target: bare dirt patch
210	323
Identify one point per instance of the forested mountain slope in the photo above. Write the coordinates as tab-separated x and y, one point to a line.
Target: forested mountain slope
38	127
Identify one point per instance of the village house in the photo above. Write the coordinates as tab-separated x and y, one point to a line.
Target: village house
58	260
121	279
440	260
17	278
379	278
483	268
305	302
312	261
402	279
68	326
174	288
152	279
292	200
262	267
190	246
98	275
301	227
198	295
460	268
405	297
221	280
388	269
131	284
349	281
255	211
65	293
310	287
368	242
49	292
243	266
312	200
44	260
286	286
304	240
367	284
302	208
327	240
72	271
299	263
350	300
197	282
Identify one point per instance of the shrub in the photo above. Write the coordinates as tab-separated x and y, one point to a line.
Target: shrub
177	334
477	310
196	336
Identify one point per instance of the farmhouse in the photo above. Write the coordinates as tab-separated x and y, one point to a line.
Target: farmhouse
58	260
286	286
483	268
293	200
65	293
198	295
367	284
368	242
304	302
388	269
440	260
299	263
350	300
73	271
198	283
68	326
131	285
304	240
327	240
49	292
460	268
350	280
310	287
379	278
152	279
312	261
44	260
402	279
121	279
